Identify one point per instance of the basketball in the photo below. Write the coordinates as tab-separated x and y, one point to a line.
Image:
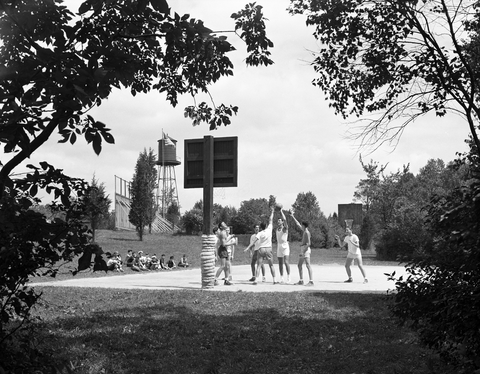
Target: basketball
278	207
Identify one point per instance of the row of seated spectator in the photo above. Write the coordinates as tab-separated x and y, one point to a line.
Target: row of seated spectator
141	261
114	261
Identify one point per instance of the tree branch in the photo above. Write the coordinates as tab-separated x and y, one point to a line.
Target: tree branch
25	153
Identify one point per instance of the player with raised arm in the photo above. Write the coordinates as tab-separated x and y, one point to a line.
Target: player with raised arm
264	237
305	252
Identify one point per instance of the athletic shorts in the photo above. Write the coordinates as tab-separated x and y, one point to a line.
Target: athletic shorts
265	253
222	252
283	250
354	255
306	254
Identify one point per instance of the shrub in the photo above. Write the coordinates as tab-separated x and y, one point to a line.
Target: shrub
405	237
192	221
31	244
440	298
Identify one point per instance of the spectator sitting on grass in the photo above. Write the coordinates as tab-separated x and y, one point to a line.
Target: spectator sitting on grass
136	262
118	257
142	261
154	263
129	259
148	261
183	262
171	263
163	265
113	264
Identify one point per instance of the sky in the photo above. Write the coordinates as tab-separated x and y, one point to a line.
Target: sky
289	140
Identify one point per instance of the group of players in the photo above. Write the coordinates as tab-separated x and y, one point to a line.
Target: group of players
261	250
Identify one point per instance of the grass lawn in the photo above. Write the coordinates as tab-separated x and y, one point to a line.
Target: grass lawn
143	331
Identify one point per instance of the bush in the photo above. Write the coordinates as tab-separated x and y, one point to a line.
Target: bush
192	221
406	237
440	298
367	232
31	244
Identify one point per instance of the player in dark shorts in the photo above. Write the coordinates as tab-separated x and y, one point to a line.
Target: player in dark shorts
254	254
222	254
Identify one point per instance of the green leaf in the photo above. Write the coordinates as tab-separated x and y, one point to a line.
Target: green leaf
97	144
73	138
160	6
108	138
33	190
84	7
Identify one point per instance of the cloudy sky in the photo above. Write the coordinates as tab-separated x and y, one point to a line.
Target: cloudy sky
289	140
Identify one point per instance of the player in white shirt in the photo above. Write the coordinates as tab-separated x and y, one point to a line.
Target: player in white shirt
354	253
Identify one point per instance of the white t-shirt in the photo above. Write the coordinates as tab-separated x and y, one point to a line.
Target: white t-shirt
353	244
265	237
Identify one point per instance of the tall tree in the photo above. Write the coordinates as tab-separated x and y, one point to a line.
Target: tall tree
97	204
192	221
307	208
367	189
224	214
396	60
56	65
142	192
251	212
151	179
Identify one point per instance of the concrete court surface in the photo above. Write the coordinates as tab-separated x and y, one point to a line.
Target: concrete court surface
327	278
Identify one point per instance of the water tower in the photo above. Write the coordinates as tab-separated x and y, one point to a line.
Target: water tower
167	192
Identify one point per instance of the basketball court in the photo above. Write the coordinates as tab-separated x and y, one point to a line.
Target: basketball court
327	278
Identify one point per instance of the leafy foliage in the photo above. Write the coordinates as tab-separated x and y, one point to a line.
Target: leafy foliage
388	59
307	209
394	206
54	67
97	205
440	297
251	212
250	22
31	244
224	214
192	221
142	191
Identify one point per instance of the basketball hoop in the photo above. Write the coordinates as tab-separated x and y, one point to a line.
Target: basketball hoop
349	223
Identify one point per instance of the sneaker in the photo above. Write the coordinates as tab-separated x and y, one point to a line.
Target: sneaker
254	283
281	280
365	281
264	279
252	279
228	283
215	283
289	281
230	278
349	280
309	283
275	282
299	283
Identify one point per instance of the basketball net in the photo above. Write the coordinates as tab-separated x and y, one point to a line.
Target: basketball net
219	193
